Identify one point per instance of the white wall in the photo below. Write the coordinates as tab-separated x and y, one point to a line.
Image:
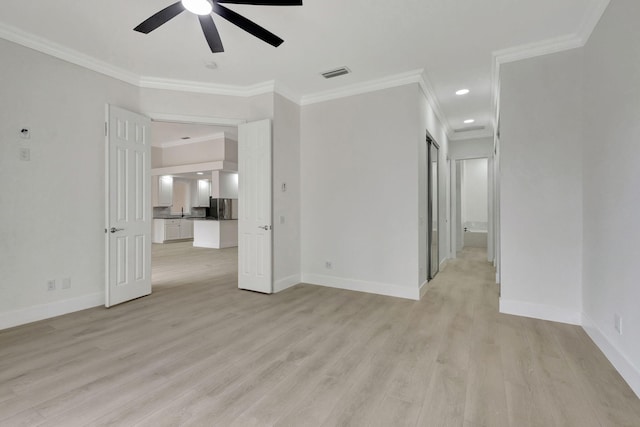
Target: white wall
541	187
286	204
197	152
429	123
53	206
475	191
362	171
52	216
611	183
471	148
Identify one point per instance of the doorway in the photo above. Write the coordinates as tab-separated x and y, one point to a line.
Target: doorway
191	164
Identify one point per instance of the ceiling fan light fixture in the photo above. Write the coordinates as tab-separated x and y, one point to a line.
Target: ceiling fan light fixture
199	7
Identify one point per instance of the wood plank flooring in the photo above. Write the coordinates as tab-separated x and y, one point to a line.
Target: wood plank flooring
200	352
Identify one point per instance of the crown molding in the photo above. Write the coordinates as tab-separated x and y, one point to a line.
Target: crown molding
364	87
432	99
591	19
208	88
545	47
59	51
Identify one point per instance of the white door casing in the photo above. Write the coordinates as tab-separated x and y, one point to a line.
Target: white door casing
255	263
128	206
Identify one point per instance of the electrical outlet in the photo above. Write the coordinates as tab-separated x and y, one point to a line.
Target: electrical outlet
66	283
51	285
328	265
617	323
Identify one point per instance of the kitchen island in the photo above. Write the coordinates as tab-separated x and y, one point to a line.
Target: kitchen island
211	233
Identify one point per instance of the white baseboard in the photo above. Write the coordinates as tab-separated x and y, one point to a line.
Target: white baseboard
629	372
540	311
363	286
285	283
49	310
424	288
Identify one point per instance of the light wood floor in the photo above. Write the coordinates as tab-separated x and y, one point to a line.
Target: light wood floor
200	352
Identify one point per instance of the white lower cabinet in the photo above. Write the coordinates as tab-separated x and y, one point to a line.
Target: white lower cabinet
186	228
165	230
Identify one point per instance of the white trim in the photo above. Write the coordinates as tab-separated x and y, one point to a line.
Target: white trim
362	286
545	47
409	77
432	99
286	283
624	366
424	287
178	118
66	54
181	142
540	311
591	20
49	310
210	88
219	165
388	82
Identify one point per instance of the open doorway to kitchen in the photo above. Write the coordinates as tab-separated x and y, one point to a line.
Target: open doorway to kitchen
194	195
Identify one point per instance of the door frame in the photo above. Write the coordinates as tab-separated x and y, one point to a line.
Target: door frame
193	120
456	228
430	141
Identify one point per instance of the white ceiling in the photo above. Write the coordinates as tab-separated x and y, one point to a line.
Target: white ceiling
455	42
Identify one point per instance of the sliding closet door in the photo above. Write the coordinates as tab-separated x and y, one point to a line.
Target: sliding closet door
433	208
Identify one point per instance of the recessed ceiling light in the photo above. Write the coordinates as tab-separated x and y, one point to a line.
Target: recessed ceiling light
469	121
462	92
199	7
200	173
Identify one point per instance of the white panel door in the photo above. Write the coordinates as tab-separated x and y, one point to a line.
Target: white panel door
128	206
254	210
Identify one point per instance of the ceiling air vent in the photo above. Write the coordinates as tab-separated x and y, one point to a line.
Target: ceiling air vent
335	73
468	129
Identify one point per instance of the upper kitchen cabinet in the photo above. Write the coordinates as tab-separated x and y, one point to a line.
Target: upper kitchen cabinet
201	193
162	191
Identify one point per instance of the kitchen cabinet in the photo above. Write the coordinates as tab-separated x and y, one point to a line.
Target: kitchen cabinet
162	191
215	234
201	193
186	228
171	229
165	230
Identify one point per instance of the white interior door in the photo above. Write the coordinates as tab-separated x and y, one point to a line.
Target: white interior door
128	206
254	210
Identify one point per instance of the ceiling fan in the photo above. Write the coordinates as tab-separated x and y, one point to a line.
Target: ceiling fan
203	9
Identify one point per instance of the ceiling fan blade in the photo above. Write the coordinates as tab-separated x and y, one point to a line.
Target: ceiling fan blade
247	25
160	18
265	2
211	33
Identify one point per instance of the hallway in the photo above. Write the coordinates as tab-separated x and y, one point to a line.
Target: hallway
200	352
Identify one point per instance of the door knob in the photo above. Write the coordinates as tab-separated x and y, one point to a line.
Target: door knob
265	227
114	230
